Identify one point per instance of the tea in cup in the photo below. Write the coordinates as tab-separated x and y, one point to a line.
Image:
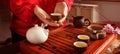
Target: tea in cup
80	46
84	38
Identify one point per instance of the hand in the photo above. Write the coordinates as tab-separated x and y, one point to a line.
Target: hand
61	7
43	16
50	22
60	22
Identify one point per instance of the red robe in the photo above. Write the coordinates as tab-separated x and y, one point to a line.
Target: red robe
24	17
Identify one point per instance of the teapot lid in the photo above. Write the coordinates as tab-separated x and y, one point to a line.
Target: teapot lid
36	25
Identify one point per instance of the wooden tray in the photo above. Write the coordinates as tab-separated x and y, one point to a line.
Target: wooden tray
60	41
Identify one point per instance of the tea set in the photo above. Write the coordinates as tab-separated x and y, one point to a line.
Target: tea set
93	32
39	34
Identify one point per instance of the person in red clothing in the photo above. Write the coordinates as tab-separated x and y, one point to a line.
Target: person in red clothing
27	13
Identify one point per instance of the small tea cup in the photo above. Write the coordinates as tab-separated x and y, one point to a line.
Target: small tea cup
56	16
80	46
84	38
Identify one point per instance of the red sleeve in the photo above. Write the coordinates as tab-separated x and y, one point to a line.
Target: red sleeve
60	0
23	9
68	2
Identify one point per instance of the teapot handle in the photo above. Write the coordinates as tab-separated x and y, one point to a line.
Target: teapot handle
87	22
45	26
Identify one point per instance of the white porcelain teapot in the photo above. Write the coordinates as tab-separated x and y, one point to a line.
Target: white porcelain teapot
37	34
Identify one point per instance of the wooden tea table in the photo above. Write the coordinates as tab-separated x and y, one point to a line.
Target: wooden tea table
60	41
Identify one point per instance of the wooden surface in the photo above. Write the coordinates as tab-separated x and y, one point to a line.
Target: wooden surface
60	41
